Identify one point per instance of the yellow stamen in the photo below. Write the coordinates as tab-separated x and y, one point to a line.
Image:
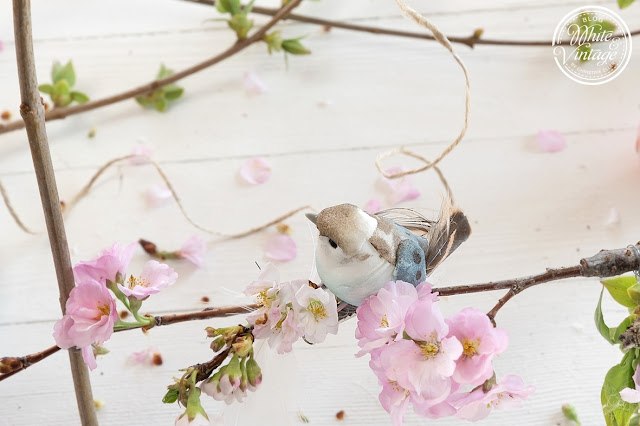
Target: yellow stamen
384	322
264	300
470	347
317	309
104	309
133	281
429	349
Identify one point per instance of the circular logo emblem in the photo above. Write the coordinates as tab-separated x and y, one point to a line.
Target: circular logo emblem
592	45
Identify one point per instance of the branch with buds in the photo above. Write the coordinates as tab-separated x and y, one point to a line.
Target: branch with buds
607	263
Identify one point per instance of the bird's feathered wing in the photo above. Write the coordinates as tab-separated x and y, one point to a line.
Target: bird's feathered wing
443	235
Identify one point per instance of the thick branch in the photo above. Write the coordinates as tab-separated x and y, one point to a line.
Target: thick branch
604	264
59	113
32	112
469	41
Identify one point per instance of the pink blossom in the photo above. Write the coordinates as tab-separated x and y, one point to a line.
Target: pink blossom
277	318
281	248
89	357
90	316
111	263
443	409
158	195
425	292
253	84
480	343
425	364
400	189
198	420
551	141
373	206
395	400
144	356
142	153
508	393
255	170
381	316
317	313
629	395
155	276
193	250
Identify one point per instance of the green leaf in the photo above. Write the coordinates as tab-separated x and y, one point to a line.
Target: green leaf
160	104
294	47
634	293
626	323
61	88
164	72
46	88
624	3
79	97
228	6
171	396
616	411
604	330
59	72
144	101
618	288
172	92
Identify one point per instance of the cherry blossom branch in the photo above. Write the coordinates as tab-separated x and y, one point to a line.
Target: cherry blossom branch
470	41
12	365
60	113
32	112
607	263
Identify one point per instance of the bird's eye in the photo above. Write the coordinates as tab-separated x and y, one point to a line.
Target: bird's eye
332	243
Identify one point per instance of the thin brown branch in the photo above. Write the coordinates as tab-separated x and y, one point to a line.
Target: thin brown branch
604	264
59	113
32	112
469	41
12	365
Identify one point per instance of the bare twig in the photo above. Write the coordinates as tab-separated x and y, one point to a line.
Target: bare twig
59	113
469	41
32	112
604	264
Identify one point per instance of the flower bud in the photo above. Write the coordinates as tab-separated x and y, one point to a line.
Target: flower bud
254	373
212	386
233	370
217	344
9	365
242	345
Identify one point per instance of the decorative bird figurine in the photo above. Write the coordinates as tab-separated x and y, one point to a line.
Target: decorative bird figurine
358	253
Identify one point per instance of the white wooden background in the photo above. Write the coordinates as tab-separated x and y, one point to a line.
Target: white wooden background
529	210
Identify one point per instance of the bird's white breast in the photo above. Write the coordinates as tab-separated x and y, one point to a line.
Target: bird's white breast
355	278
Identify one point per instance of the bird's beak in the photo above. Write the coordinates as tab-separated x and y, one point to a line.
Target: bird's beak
312	217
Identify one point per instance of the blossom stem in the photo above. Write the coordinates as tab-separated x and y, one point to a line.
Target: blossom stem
607	263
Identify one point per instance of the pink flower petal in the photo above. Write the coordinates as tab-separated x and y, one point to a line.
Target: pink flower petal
143	151
400	189
253	84
614	218
89	357
281	248
373	206
255	170
638	141
193	250
158	195
551	141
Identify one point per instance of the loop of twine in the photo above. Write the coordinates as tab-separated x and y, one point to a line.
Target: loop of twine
444	41
86	189
13	212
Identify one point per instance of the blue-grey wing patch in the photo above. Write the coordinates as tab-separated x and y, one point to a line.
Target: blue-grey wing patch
410	262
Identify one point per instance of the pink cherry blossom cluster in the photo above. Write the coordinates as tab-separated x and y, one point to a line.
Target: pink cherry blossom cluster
291	310
423	359
91	314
